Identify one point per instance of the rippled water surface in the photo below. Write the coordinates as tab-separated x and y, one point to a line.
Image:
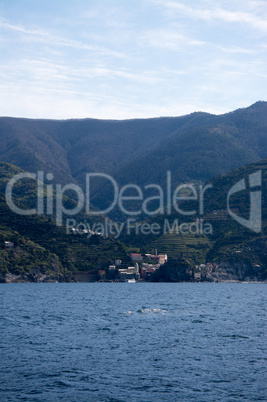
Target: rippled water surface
133	342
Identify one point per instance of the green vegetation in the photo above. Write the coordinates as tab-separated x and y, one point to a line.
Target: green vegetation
42	247
25	193
229	240
176	245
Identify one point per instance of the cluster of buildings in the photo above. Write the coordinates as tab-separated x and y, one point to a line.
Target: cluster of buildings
129	273
154	258
143	266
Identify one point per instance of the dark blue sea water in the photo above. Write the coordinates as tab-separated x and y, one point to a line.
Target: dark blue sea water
133	342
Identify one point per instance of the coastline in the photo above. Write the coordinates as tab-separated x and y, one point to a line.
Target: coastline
12	278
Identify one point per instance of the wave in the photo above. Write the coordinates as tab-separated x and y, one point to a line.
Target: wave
147	311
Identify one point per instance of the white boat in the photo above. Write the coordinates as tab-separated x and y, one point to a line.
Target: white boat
131	280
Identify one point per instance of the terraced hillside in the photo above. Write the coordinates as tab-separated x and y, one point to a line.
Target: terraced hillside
176	245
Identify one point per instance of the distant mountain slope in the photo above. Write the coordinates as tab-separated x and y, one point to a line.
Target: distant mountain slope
217	145
30	145
195	154
194	147
70	148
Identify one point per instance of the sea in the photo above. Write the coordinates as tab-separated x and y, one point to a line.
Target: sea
133	342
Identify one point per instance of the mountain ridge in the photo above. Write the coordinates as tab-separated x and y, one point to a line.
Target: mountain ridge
195	147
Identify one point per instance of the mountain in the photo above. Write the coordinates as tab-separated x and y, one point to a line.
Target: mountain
197	148
194	147
70	148
43	251
215	145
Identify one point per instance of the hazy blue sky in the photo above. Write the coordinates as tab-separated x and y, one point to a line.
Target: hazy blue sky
131	58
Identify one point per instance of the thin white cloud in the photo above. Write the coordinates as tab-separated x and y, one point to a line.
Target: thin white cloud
249	67
236	50
256	22
169	40
46	76
21	29
111	17
56	41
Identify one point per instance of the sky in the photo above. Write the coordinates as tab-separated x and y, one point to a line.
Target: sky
122	59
